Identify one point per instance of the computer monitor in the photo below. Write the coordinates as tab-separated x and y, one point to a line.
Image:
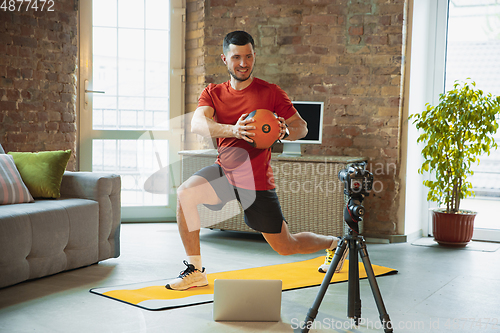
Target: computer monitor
312	113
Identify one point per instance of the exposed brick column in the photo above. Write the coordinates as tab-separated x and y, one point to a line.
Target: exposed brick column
37	79
195	64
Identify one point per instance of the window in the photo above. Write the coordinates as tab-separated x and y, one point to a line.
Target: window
131	62
473	51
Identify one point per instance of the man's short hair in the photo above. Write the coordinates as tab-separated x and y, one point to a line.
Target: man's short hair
237	38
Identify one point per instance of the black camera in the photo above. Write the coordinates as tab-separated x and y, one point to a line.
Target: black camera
357	180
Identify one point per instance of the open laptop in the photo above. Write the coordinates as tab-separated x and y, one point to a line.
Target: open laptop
247	300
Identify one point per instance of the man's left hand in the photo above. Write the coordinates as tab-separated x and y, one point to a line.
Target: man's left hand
283	128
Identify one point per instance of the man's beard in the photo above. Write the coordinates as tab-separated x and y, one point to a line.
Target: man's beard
233	74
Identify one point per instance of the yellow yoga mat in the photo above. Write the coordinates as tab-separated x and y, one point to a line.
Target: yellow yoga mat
154	296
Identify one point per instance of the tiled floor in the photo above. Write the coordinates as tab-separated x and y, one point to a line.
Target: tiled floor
436	290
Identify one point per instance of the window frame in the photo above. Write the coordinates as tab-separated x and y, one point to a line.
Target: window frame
176	106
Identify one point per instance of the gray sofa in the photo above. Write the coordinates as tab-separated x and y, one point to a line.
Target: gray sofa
54	235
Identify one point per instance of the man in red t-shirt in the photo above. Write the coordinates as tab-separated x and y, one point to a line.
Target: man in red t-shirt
241	171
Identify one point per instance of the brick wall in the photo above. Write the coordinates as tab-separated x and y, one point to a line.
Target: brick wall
37	79
346	53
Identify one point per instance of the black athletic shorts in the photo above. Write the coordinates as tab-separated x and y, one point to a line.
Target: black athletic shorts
262	210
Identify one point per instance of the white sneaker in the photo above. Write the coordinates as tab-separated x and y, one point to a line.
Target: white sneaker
189	278
329	258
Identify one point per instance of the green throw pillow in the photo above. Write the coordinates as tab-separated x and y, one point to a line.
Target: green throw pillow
42	172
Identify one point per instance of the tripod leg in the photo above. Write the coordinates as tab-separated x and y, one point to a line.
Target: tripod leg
384	316
313	311
353	299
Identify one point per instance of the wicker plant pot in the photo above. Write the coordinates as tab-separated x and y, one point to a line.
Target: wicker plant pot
451	229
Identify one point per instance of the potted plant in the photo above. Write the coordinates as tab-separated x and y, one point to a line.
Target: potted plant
455	132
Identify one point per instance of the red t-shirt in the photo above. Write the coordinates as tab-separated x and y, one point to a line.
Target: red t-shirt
246	167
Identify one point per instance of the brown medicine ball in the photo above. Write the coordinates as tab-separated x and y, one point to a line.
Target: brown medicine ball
267	128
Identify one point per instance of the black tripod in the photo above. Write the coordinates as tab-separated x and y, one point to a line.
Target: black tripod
356	244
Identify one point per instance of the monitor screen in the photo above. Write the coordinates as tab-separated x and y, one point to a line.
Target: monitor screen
312	113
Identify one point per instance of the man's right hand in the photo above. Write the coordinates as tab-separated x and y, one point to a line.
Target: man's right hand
240	129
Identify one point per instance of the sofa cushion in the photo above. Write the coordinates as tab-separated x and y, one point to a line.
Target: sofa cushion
47	237
12	188
42	172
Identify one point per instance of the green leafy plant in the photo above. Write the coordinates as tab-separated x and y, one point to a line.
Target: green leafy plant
456	132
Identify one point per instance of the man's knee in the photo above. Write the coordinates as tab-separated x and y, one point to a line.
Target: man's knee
284	248
187	190
182	195
197	190
283	243
181	191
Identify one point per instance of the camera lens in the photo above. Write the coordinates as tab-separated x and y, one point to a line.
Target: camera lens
343	175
